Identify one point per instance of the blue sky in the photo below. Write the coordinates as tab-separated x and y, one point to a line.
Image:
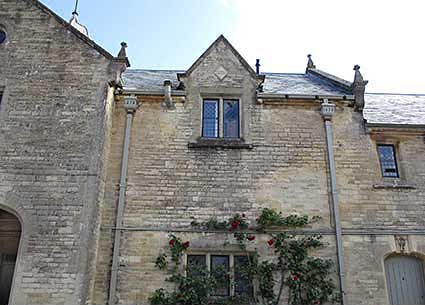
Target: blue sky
384	37
161	34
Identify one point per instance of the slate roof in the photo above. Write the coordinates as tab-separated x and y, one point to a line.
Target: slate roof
403	109
303	84
149	80
275	83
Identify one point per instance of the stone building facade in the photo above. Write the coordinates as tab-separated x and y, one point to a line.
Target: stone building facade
56	89
98	167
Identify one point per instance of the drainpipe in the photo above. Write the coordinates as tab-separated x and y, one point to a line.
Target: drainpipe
328	110
130	105
168	100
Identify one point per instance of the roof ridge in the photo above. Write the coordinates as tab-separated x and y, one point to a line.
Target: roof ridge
169	70
285	73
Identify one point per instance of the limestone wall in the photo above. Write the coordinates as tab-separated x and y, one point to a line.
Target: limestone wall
171	180
52	132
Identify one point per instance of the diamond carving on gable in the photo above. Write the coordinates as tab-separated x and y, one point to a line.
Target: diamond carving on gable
220	73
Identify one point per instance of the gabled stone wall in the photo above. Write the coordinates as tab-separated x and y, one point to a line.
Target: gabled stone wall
52	135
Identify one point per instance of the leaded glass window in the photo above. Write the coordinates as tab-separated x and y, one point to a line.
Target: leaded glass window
210	119
387	158
243	285
221	118
230	271
220	270
196	264
231	119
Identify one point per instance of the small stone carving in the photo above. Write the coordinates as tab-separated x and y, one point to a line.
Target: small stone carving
220	73
402	243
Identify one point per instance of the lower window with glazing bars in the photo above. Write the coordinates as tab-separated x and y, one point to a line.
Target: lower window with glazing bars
230	272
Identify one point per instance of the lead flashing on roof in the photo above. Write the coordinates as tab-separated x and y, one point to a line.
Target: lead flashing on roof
339	82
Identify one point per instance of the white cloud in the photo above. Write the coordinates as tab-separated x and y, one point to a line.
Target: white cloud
226	3
384	37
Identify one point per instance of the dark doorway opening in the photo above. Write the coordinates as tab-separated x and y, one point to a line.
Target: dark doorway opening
10	233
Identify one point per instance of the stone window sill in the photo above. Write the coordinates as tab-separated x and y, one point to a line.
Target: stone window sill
393	184
220	143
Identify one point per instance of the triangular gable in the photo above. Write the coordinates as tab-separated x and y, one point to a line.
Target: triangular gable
223	39
70	28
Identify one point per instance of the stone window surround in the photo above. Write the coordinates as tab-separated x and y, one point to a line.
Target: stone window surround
395	155
399	182
208	253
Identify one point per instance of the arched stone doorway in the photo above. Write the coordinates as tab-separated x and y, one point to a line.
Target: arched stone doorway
10	234
405	280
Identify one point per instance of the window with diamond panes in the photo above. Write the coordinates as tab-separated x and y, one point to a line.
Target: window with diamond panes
231	118
387	158
210	119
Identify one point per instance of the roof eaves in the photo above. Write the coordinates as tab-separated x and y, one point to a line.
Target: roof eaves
395	126
69	27
304	96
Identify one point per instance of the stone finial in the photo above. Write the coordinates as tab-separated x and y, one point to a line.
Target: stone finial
359	87
78	26
122	54
310	63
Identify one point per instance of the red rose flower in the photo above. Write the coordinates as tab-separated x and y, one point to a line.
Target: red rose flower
296	278
186	244
235	224
316	302
178	296
270	242
250	237
171	242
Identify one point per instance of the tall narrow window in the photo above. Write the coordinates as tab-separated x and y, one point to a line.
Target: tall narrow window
387	158
210	119
243	285
220	270
231	118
